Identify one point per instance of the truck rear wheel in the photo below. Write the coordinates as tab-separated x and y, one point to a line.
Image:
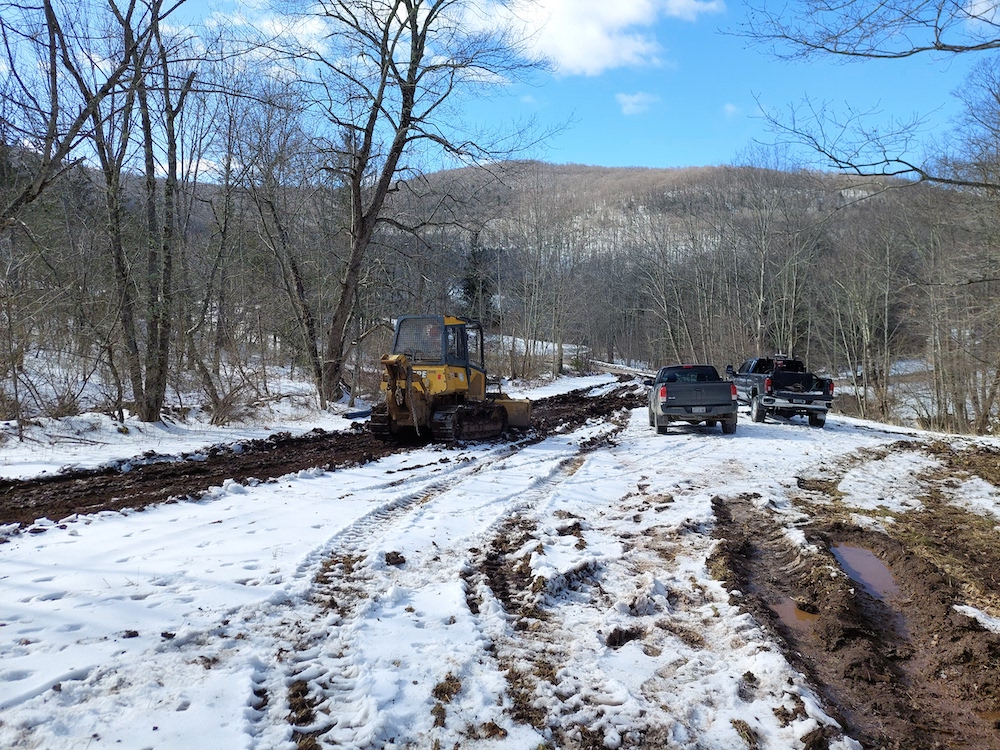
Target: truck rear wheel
728	426
756	410
817	420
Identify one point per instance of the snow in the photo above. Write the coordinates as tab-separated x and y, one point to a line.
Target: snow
892	485
188	624
990	623
599	383
92	439
976	495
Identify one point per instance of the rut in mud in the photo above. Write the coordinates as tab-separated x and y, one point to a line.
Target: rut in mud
869	614
150	479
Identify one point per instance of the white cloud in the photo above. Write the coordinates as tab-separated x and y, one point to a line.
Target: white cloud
636	104
731	110
689	10
982	11
587	37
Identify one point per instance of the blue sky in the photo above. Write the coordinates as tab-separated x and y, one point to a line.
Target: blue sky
667	83
658	83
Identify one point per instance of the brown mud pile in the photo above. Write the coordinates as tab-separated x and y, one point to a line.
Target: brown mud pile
151	479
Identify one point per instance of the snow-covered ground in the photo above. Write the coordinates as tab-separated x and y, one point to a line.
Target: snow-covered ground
188	625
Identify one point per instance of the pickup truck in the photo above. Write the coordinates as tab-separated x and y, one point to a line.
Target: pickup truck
692	394
782	385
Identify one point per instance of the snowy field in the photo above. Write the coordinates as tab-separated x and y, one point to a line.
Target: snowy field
189	625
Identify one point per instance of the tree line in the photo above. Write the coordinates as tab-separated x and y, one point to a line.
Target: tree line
889	286
157	180
183	214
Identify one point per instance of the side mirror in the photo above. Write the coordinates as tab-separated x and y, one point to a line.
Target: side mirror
729	370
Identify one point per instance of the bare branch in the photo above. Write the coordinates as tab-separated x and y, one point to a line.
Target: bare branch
873	29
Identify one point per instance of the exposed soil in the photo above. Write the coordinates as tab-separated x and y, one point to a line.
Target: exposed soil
151	479
867	614
870	616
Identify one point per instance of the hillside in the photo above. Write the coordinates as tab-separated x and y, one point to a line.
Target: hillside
633	265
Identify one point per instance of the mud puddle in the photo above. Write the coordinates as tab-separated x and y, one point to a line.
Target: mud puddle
793	616
872	625
865	568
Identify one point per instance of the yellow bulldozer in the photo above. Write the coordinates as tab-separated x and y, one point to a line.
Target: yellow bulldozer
435	383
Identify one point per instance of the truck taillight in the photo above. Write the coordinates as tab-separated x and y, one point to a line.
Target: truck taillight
732	389
767	385
663	391
831	389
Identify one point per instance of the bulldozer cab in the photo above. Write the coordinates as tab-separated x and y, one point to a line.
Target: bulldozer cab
441	341
435	379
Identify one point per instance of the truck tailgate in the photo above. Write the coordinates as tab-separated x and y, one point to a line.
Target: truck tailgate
696	394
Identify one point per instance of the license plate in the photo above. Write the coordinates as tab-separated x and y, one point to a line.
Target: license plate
697	409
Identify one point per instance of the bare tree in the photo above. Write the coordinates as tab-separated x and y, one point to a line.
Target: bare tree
854	140
52	82
861	319
280	180
81	84
891	29
894	30
387	78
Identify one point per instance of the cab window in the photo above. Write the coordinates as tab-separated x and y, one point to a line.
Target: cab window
475	351
455	352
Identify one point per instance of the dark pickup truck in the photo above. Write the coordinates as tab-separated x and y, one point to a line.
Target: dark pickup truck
782	386
692	394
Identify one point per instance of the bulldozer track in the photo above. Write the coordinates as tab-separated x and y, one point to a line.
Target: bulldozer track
468	422
147	480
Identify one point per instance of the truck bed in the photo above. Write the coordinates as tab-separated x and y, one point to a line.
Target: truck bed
783	387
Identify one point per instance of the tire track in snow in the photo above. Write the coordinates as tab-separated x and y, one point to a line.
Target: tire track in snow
581	608
368	574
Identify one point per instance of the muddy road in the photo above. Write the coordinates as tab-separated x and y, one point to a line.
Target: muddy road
869	558
141	481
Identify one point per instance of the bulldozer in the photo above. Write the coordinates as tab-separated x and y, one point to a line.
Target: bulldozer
435	384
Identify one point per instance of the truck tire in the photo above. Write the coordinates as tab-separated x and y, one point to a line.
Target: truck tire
756	410
817	420
652	421
728	426
661	429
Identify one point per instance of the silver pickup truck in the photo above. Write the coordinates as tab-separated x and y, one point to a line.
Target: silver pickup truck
692	394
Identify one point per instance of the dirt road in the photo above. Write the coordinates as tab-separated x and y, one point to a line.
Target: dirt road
145	480
861	558
890	652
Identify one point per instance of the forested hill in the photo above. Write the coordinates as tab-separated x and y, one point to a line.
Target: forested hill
584	189
712	264
641	265
862	277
